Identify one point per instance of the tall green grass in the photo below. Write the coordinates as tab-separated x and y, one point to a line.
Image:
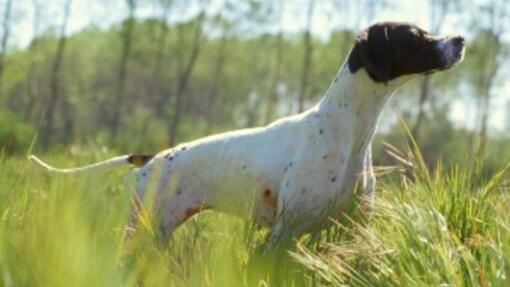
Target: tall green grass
441	228
448	227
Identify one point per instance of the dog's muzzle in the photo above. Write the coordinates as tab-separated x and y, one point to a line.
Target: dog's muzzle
451	50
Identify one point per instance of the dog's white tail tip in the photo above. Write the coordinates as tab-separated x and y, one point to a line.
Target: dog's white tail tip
39	162
106	164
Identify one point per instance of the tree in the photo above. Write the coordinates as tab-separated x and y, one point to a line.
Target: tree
56	84
217	72
185	69
439	10
276	70
155	89
487	56
127	38
307	56
32	77
5	39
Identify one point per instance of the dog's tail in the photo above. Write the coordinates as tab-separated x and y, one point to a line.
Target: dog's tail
136	160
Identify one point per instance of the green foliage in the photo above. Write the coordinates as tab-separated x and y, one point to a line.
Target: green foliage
231	86
92	57
446	228
15	134
441	141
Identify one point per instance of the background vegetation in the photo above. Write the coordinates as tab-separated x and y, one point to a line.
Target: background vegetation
172	71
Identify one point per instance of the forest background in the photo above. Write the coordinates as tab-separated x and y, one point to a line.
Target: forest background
142	75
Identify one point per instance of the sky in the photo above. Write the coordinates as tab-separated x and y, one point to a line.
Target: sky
326	18
86	12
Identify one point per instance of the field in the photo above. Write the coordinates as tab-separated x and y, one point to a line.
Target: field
446	227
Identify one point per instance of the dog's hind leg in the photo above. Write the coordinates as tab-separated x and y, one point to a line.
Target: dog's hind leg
176	214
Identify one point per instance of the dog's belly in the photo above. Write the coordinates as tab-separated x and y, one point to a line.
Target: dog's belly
252	195
256	201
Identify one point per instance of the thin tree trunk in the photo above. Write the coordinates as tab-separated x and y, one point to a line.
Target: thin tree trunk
272	102
489	65
484	107
424	97
184	77
55	84
67	117
438	12
5	38
156	97
484	119
488	70
488	82
32	77
127	35
217	74
307	58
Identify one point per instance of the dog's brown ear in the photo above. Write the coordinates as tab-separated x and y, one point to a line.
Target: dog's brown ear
376	52
373	51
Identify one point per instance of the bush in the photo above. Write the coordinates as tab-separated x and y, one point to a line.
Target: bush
15	134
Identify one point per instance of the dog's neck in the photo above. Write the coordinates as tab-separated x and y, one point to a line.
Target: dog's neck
353	105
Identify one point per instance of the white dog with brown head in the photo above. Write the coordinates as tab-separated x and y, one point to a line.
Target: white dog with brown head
297	172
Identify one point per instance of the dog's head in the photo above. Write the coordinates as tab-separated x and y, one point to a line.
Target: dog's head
389	50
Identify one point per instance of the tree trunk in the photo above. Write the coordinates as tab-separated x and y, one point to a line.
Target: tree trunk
275	80
485	105
217	74
5	39
55	84
32	77
184	77
489	65
438	12
127	35
424	97
155	94
307	58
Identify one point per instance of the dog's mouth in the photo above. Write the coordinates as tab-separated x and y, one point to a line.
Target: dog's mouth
451	50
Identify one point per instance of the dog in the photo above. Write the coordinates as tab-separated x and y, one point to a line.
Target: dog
299	172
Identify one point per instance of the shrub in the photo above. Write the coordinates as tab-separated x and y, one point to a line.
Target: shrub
15	134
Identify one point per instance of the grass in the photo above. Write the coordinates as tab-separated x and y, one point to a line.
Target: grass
449	227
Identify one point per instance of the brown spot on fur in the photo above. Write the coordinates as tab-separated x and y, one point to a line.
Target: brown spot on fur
139	159
269	198
190	212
